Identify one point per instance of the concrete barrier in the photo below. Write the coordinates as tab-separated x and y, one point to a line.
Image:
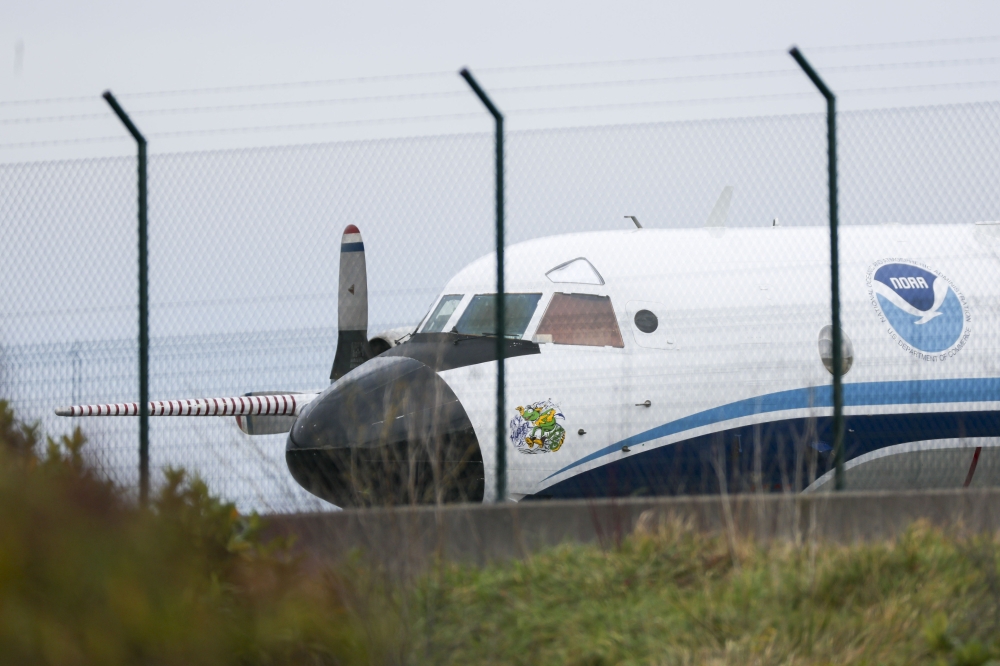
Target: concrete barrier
408	538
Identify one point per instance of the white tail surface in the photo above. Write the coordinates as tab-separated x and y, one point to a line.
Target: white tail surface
720	212
258	405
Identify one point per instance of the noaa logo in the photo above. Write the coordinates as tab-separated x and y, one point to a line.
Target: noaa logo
924	310
536	428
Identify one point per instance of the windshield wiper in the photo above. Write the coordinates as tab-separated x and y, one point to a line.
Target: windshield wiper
477	336
470	336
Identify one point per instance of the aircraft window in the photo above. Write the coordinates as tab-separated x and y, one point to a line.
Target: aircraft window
579	271
581	319
646	321
826	349
480	317
442	313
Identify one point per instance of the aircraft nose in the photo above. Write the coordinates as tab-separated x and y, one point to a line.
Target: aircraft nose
389	432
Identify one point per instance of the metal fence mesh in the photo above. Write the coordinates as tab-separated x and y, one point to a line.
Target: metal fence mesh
243	273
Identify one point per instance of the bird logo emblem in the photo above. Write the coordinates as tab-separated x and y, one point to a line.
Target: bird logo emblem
920	305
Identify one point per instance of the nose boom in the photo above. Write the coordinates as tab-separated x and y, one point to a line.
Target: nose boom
389	432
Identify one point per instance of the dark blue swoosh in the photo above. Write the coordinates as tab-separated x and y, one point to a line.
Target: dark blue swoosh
914	392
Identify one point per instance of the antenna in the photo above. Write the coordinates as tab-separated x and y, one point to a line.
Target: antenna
632	217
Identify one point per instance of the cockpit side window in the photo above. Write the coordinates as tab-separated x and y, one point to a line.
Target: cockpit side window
480	316
581	319
442	313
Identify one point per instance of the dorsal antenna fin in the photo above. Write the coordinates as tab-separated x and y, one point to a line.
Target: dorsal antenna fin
720	213
633	218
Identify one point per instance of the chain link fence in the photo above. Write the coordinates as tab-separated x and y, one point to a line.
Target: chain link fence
244	255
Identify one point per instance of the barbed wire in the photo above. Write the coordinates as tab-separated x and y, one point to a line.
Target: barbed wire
511	69
259	106
745	54
510	112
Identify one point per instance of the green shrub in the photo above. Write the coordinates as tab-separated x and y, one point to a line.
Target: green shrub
87	577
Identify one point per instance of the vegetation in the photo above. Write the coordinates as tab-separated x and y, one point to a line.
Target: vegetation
672	596
87	577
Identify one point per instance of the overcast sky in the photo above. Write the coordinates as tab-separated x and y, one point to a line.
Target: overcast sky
57	48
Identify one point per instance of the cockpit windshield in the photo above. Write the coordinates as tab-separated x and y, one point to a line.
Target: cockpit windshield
442	313
480	318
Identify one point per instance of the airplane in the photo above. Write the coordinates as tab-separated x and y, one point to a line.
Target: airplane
653	362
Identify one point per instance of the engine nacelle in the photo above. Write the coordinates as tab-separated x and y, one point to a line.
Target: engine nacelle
269	424
386	340
266	424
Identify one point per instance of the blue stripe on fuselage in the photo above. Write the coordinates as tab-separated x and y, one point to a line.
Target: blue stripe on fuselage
352	247
915	392
777	455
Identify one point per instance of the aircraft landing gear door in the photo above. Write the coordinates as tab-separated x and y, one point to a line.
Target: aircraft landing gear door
648	324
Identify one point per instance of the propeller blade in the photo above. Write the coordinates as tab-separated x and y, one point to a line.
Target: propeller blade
352	306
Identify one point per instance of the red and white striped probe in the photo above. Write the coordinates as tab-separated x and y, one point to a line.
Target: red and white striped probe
287	404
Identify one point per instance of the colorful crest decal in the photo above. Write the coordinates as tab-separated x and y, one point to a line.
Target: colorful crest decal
925	313
536	428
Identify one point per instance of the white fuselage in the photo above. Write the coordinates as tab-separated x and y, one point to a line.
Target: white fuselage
739	315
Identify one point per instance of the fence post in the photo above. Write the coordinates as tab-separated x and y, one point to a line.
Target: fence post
501	425
831	151
140	141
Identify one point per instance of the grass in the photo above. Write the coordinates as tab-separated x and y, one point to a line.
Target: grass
88	577
672	596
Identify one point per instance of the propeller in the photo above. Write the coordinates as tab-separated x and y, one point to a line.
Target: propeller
263	413
353	348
